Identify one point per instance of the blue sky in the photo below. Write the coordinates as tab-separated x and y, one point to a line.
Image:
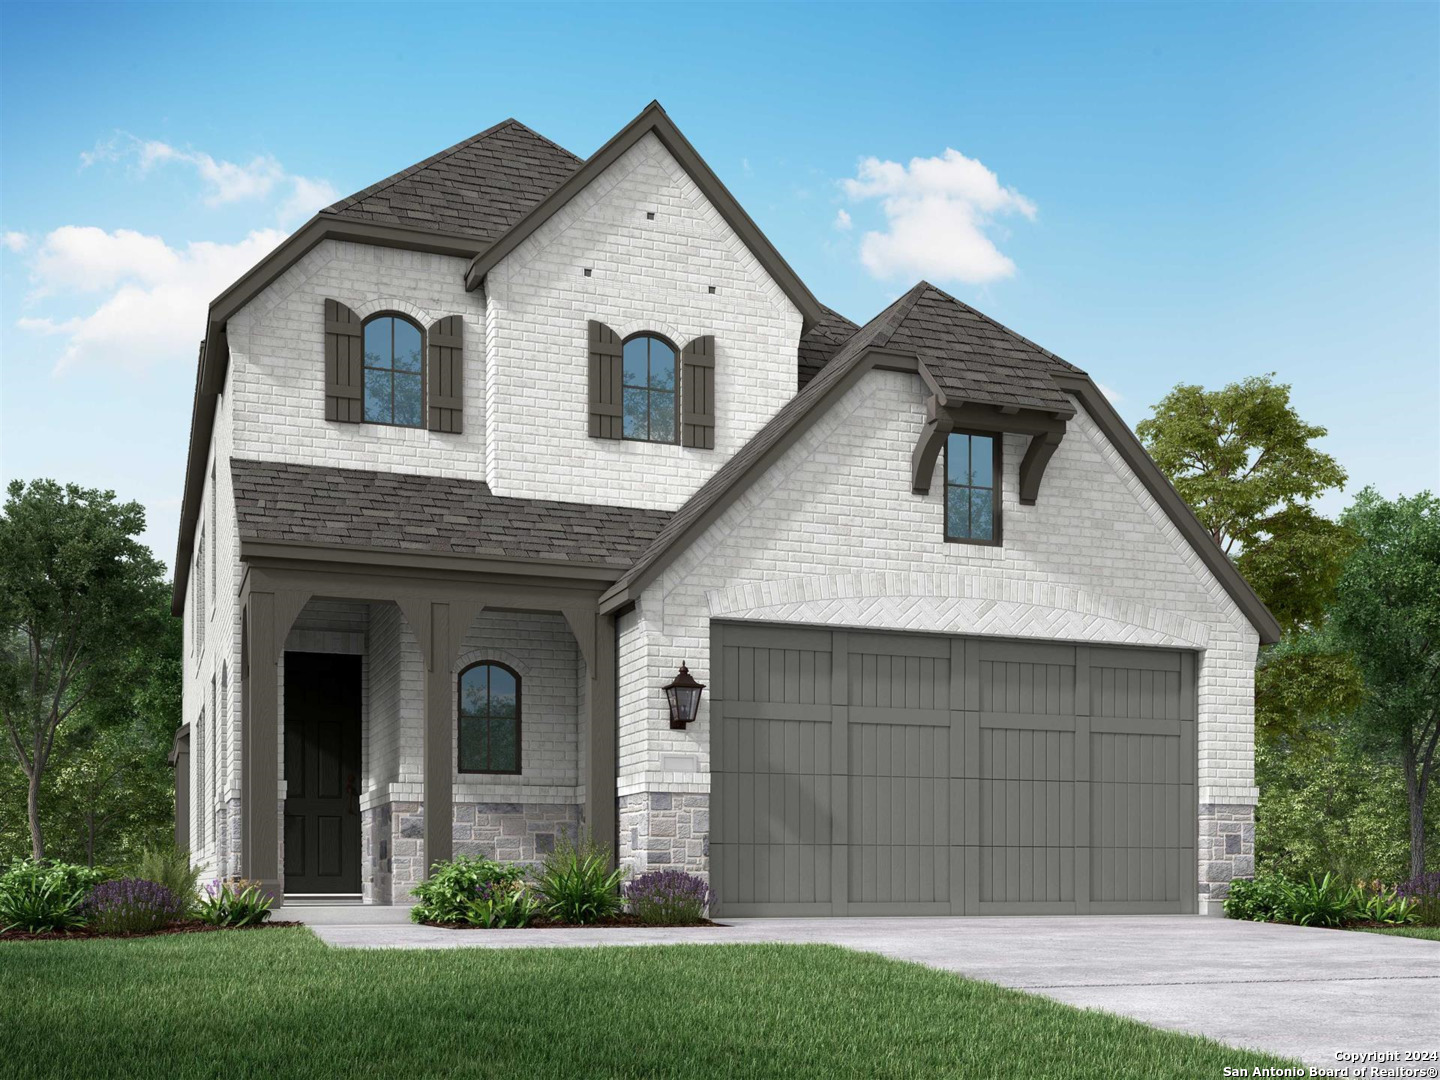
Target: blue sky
1157	193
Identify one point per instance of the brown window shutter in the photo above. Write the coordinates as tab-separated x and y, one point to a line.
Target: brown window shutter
606	371
447	366
697	385
344	364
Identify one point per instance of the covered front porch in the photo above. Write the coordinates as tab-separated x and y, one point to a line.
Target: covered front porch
395	714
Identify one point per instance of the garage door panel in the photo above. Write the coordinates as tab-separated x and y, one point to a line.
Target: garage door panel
903	774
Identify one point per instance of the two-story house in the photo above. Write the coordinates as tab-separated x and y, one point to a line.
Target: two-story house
483	454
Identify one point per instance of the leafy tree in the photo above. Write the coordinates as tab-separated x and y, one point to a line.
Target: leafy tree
78	596
1328	806
1387	614
1304	687
1242	458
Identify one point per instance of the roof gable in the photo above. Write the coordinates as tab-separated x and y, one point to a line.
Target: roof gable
654	119
960	347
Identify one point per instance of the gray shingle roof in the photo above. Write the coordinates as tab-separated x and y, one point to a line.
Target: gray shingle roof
821	342
479	187
277	501
974	358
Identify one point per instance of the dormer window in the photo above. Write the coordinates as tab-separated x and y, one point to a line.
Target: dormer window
972	488
394	371
650	385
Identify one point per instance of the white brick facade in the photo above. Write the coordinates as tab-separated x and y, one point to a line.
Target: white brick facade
645	275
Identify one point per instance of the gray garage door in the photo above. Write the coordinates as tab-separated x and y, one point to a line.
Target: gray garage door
902	774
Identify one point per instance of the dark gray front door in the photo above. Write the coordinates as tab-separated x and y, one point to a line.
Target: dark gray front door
322	773
903	774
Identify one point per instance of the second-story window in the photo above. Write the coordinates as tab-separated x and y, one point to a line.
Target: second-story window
394	387
972	488
649	387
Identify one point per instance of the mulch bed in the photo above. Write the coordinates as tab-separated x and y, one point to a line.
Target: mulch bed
626	921
194	927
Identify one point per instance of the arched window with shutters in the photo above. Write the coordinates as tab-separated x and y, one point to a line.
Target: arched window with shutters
394	371
386	370
489	719
645	389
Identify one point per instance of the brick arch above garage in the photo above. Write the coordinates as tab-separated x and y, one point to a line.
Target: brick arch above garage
951	603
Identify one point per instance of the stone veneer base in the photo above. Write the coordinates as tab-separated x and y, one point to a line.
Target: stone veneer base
393	836
662	830
1227	851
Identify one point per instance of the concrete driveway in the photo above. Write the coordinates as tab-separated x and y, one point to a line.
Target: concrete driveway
1303	993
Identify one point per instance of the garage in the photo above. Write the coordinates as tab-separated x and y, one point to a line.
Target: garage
864	773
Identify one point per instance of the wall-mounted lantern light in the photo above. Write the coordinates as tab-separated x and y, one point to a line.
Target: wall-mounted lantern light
684	697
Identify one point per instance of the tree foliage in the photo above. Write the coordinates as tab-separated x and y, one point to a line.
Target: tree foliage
1243	459
1387	616
81	612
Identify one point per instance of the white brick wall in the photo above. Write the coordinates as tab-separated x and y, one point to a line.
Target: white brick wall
277	361
214	776
542	650
646	275
833	534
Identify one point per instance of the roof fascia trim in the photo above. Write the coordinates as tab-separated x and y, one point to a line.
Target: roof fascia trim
654	118
1133	453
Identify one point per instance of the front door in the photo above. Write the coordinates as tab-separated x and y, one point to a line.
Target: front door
322	773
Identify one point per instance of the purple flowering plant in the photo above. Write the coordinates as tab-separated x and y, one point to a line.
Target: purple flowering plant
668	898
1425	892
131	905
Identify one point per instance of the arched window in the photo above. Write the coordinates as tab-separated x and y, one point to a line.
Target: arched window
489	719
650	387
394	377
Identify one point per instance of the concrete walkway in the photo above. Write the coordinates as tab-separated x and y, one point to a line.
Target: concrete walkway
1298	992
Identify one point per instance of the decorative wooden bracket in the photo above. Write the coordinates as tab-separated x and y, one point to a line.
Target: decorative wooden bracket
1032	466
938	426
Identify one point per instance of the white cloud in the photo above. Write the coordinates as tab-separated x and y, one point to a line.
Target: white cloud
263	177
156	295
842	220
15	241
939	212
1113	395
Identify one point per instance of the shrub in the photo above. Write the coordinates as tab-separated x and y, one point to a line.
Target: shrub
170	866
238	902
577	883
1425	891
1260	900
668	898
131	906
45	896
1379	903
1326	901
502	904
447	896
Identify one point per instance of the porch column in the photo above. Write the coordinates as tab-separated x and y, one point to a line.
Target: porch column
260	745
268	618
439	626
600	786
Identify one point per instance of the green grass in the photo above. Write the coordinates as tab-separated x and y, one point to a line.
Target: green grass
278	1003
1425	933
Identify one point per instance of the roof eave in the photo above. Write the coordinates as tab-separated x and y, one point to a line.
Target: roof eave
654	118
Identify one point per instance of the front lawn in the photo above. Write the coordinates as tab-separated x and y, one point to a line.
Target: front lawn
281	1004
1425	933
